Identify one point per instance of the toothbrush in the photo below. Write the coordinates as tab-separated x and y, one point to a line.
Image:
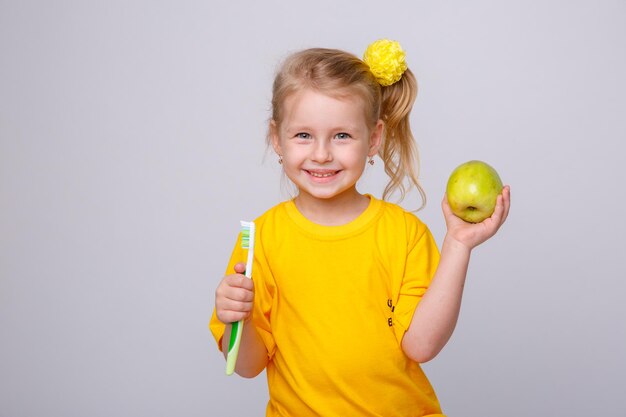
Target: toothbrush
247	242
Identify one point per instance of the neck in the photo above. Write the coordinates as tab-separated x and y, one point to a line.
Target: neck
335	211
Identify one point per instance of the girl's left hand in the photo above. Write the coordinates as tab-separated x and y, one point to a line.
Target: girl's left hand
470	234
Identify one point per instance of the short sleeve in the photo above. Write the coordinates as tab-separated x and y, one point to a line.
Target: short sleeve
263	296
420	266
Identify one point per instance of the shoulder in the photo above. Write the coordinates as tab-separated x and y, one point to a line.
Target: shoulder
276	215
402	221
400	215
276	211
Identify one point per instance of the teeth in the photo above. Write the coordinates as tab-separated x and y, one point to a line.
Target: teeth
318	175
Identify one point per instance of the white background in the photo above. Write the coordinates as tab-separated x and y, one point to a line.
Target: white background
132	143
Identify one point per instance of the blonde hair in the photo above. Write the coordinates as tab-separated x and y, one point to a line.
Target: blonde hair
338	73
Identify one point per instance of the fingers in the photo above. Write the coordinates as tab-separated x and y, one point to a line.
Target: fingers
234	298
232	313
240	268
503	204
506	199
472	235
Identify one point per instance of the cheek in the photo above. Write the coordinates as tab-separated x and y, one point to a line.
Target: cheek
293	153
356	155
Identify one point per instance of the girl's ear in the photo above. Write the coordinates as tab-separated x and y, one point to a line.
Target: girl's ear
274	137
376	138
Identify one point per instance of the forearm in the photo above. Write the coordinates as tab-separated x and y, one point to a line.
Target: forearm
252	357
436	315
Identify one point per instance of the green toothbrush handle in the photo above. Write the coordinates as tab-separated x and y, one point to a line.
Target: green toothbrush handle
233	346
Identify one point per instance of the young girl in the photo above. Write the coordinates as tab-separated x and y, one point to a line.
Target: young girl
349	293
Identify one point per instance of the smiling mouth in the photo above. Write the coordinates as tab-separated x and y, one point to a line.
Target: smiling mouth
322	174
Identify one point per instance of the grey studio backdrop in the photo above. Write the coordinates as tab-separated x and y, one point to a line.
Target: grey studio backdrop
132	143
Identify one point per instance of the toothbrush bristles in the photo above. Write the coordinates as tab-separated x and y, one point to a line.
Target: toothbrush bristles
245	234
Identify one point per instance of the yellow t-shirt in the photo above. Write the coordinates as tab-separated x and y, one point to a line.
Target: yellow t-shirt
332	304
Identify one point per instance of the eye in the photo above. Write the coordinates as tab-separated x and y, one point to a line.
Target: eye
302	135
342	135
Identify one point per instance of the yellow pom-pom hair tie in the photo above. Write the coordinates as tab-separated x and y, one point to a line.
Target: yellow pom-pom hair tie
386	61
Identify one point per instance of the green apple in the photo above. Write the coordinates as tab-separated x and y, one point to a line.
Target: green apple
472	190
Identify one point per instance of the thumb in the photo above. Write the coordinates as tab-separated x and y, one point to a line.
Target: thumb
240	268
447	211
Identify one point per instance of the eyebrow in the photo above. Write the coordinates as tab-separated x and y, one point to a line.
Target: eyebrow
300	128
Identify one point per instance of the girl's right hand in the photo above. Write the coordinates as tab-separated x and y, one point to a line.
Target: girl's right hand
234	297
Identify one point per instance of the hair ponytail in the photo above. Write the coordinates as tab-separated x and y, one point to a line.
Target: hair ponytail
399	150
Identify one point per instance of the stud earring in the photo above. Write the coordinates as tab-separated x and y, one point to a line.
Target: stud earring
371	160
280	159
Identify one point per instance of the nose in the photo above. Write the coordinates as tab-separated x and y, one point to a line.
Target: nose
322	152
